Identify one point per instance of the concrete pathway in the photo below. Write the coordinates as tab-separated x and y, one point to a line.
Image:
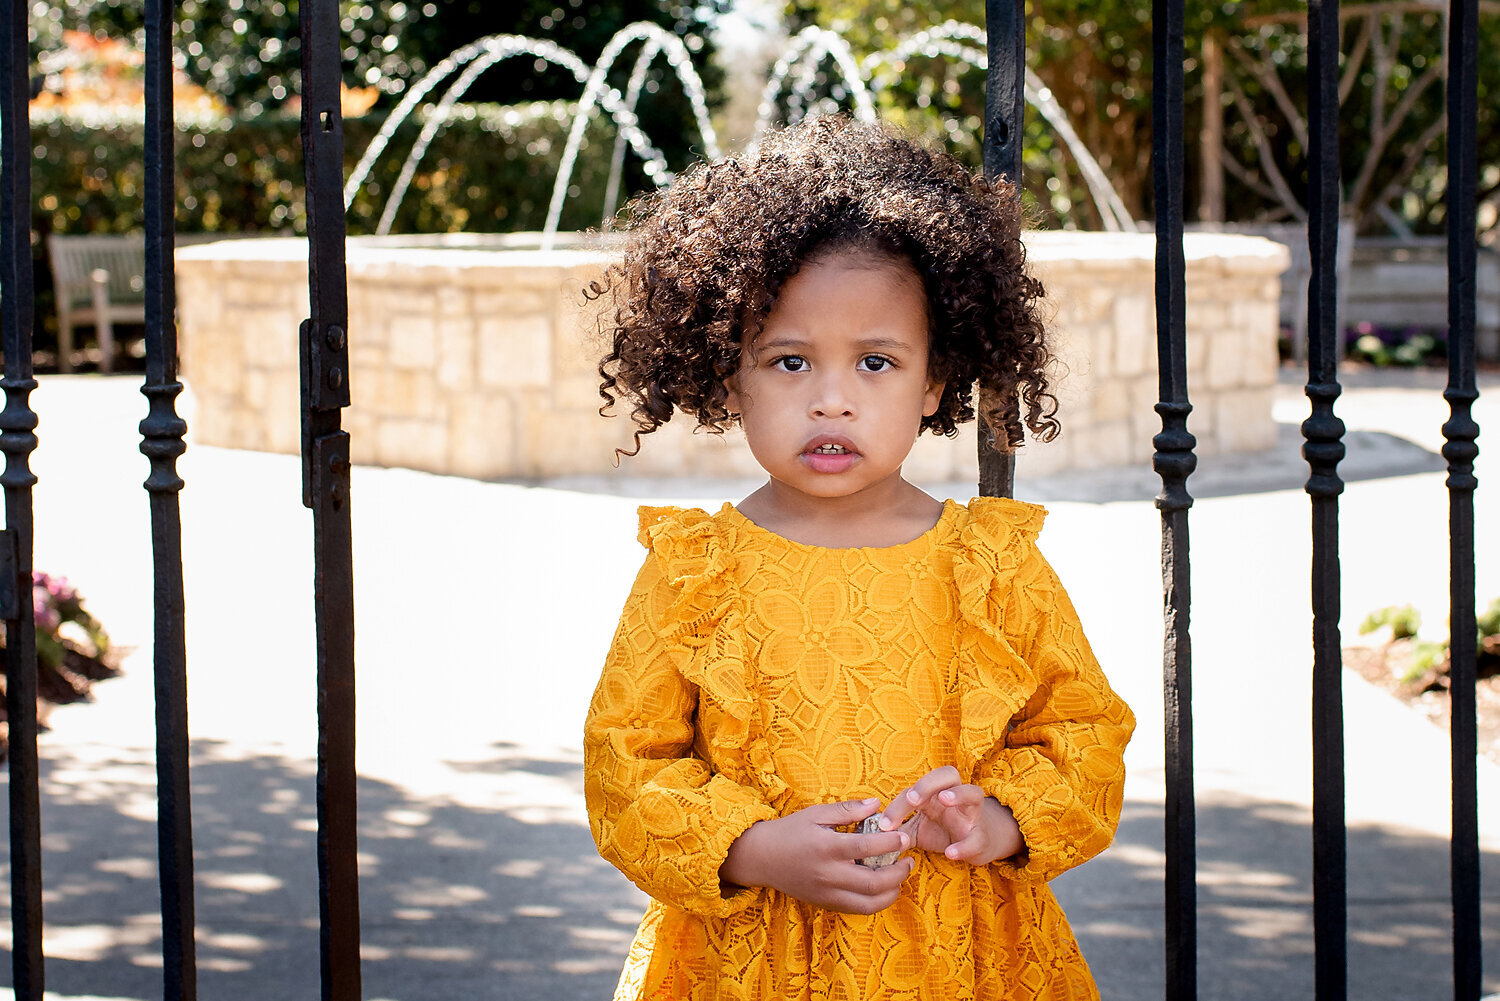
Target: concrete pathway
484	610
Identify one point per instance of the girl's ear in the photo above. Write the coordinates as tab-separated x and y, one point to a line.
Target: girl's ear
932	397
732	400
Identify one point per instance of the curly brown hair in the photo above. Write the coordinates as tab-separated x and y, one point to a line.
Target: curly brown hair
706	257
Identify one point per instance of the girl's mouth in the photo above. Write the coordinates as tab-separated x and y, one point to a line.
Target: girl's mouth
825	456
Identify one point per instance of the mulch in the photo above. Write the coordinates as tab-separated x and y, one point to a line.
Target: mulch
1386	666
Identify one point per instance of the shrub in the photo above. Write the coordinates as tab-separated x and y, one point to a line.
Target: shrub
490	169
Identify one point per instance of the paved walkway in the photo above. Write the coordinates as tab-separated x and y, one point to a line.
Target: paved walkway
483	613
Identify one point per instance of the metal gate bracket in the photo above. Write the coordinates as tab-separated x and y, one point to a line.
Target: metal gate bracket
328	366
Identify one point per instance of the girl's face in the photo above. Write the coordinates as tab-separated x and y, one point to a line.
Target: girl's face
832	388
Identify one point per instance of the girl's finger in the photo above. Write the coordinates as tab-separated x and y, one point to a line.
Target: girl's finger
858	846
850	811
962	795
922	790
969	848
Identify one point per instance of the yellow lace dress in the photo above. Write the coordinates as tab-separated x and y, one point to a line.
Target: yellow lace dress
752	676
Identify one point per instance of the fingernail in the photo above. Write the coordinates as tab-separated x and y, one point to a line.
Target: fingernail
872	801
905	842
884	823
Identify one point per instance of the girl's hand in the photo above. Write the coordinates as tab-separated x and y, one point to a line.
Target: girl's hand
804	857
959	820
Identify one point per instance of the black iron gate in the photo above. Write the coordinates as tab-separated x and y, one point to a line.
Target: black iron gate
326	487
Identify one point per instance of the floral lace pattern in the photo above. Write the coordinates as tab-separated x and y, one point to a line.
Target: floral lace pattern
752	676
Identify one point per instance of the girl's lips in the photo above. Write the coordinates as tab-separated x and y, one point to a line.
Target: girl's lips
830	442
830	454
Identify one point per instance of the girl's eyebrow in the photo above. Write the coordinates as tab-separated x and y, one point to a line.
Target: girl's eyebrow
790	341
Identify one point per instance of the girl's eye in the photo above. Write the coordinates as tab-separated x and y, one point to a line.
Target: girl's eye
790	363
874	363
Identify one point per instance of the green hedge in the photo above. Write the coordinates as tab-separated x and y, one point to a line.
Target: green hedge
490	169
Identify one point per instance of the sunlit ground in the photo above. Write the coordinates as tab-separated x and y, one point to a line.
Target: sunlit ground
483	611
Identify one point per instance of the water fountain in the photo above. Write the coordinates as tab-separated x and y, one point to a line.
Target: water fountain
808	51
466	352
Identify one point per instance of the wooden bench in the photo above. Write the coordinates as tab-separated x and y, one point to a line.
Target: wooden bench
99	281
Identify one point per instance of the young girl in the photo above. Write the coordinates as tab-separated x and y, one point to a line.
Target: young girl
840	646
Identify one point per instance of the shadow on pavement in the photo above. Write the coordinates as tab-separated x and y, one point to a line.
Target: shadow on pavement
1255	932
457	902
460	902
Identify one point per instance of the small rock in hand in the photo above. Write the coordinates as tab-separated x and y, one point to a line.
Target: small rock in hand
871	825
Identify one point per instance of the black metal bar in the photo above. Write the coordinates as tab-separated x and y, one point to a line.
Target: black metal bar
1461	449
18	441
1323	449
162	433
1004	119
1174	461
325	389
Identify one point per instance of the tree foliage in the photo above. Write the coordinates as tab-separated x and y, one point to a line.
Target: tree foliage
1095	57
248	53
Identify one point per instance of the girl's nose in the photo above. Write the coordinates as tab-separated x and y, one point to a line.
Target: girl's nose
832	397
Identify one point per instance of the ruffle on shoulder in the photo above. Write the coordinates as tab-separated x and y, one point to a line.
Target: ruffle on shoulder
993	546
707	617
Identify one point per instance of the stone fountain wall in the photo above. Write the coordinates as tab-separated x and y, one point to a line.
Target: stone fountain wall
481	362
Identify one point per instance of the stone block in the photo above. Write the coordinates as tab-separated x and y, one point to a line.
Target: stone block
282	417
1144	427
1198	349
272	337
410	393
508	299
578	343
414	444
1226	358
456	352
1243	420
362	441
1044	458
515	350
568	444
576	392
364	358
243	428
1101	445
482	436
1111	400
1259	323
256	389
1134	333
218	369
1086	353
454	300
247	292
413	341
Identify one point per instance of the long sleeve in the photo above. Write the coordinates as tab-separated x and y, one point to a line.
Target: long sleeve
1061	770
1049	743
657	809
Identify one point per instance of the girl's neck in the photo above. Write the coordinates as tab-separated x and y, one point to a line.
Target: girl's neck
901	513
